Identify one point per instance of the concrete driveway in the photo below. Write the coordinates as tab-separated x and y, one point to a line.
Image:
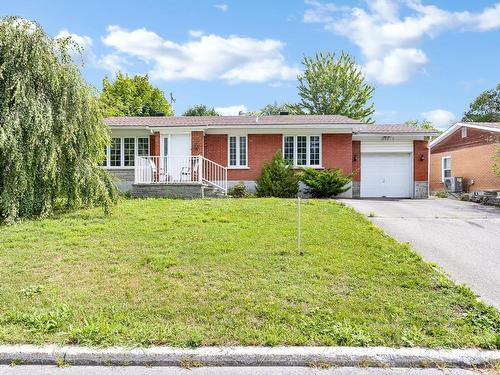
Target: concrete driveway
462	237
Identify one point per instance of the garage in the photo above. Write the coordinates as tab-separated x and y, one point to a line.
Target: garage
386	175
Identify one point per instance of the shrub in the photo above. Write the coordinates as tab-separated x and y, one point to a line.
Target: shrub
239	190
278	179
326	183
441	194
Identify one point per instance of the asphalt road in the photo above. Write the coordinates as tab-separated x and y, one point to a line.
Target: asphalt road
134	370
462	237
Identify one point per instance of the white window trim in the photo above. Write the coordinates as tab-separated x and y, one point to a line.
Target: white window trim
237	166
442	166
464	132
308	143
122	152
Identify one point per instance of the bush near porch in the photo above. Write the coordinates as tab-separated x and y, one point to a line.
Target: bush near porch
227	272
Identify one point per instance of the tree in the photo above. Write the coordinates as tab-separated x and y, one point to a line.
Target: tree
133	96
335	86
423	125
485	108
326	183
52	135
278	179
200	110
277	108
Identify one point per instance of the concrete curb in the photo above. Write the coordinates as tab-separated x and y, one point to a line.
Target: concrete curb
250	356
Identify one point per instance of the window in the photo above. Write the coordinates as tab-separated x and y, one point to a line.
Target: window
464	132
302	150
123	151
314	158
238	153
142	146
128	152
446	167
115	152
288	151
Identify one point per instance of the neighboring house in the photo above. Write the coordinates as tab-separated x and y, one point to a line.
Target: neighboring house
181	155
466	150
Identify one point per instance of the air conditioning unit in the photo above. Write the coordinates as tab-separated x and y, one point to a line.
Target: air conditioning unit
454	184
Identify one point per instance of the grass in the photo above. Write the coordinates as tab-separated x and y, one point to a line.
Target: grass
227	272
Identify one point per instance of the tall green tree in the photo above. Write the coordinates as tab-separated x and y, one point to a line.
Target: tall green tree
485	108
335	86
133	96
200	110
427	125
277	108
52	136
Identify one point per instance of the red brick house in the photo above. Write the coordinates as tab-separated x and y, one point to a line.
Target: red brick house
155	155
466	150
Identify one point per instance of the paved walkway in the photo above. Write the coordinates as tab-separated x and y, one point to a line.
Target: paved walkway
462	237
134	370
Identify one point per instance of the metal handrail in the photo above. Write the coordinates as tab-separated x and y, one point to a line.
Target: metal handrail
180	169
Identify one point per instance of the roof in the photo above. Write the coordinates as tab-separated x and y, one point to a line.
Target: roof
394	129
488	126
176	121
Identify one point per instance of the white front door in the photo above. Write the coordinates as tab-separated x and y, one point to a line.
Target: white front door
386	175
176	157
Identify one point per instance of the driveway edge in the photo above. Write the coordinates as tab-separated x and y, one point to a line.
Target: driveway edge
249	356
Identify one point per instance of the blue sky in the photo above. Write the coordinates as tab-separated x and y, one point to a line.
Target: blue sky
427	59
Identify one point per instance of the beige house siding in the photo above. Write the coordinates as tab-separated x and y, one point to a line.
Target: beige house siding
471	163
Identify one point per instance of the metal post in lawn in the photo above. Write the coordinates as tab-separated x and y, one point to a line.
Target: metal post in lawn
298	236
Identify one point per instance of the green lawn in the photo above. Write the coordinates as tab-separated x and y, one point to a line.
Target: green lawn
226	272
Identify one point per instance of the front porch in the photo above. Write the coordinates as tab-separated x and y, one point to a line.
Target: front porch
178	177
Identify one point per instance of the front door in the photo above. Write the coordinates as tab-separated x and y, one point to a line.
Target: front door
176	158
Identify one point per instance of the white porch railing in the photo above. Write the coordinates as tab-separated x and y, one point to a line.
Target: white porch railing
180	170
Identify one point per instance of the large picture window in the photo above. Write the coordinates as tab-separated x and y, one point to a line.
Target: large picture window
302	150
238	151
123	151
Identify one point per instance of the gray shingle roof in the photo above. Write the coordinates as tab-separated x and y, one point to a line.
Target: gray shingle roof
228	120
392	129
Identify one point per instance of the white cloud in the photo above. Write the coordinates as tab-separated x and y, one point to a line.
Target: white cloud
440	118
113	63
222	7
388	41
395	67
233	110
85	55
195	33
207	57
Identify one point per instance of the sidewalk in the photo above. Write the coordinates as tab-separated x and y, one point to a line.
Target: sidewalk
250	356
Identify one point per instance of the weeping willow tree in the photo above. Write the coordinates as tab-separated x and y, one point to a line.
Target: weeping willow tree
52	135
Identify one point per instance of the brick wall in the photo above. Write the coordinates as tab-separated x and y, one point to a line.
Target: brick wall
356	164
420	167
154	144
475	137
337	151
472	163
216	148
197	143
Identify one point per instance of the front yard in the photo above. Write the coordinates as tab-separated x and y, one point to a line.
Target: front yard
227	272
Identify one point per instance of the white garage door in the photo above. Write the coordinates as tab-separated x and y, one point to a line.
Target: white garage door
385	175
